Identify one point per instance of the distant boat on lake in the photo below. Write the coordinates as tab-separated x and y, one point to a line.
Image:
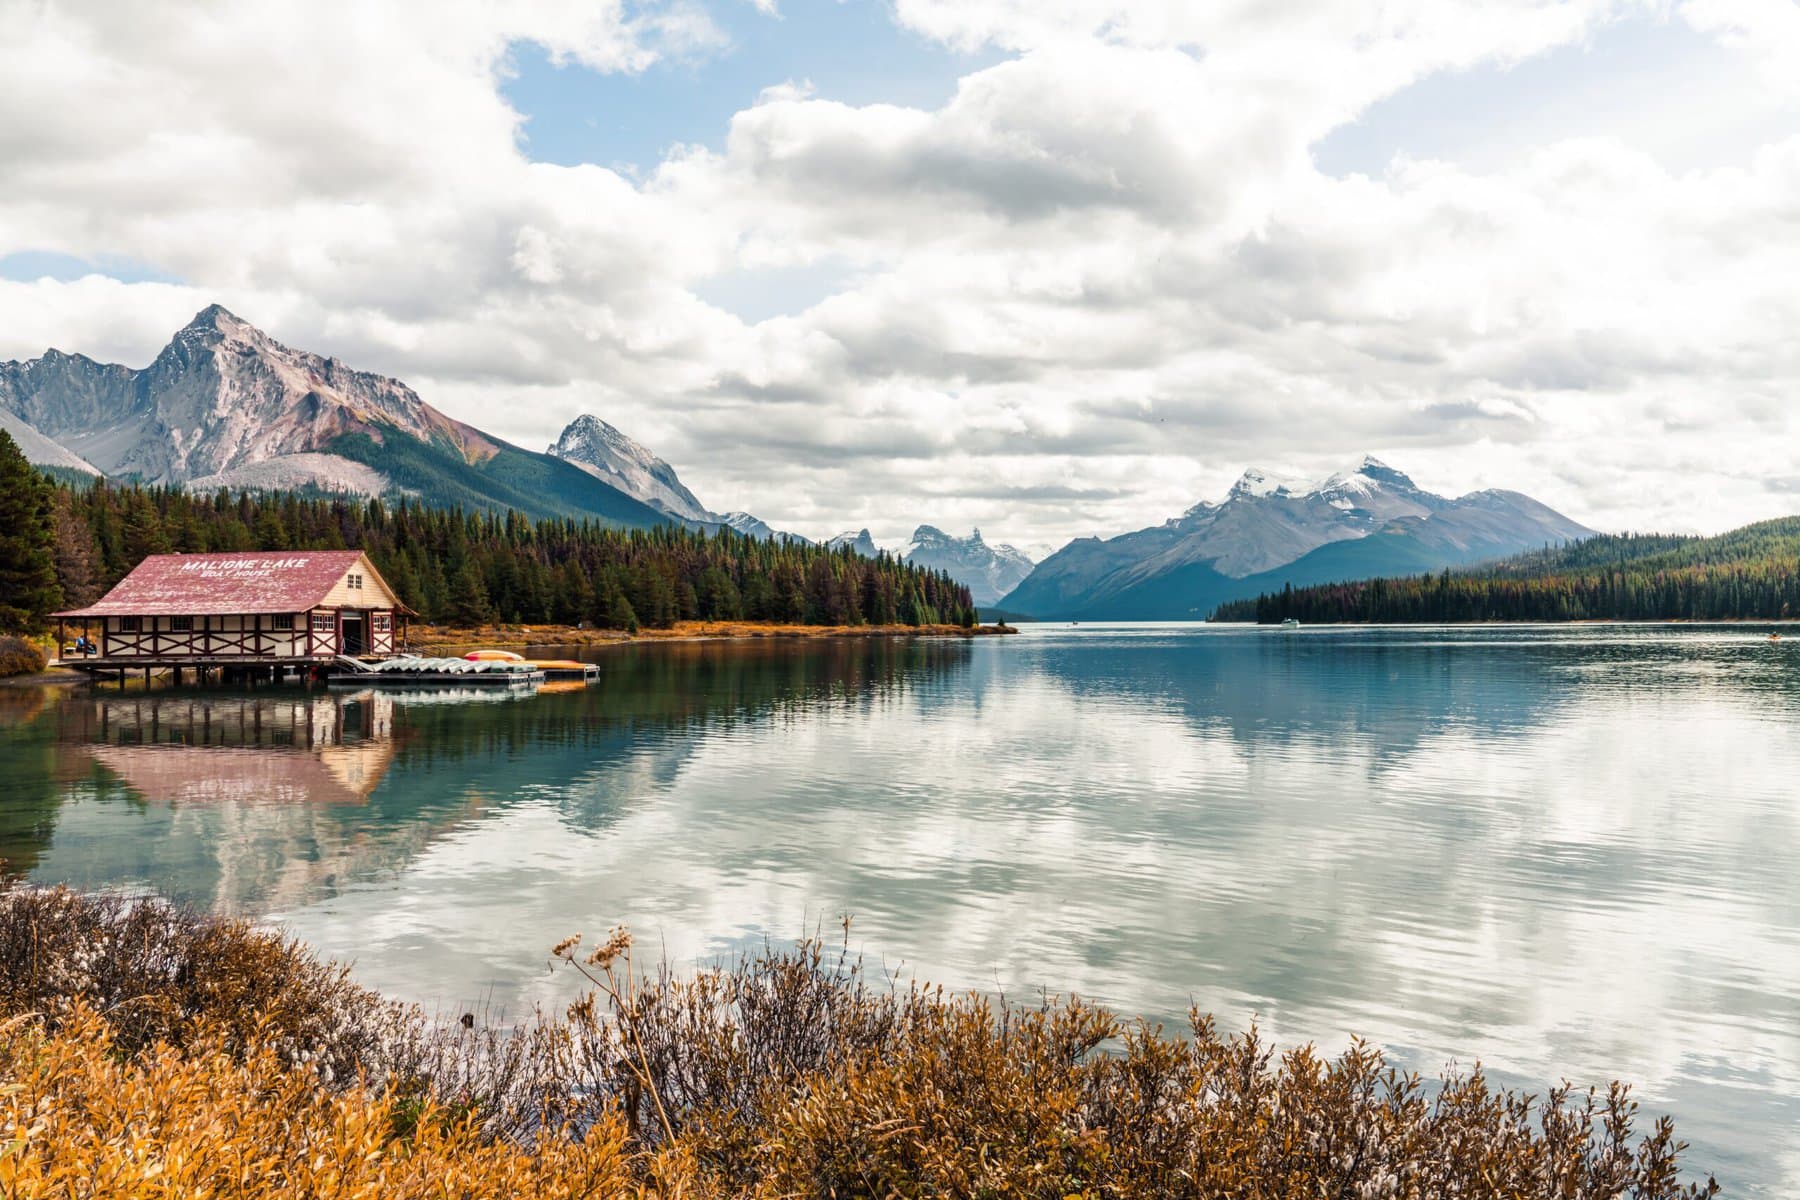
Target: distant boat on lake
1290	624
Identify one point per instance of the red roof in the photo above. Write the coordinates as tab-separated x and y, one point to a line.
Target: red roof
209	584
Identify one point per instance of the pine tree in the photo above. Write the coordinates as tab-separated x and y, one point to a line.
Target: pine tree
143	533
621	616
76	552
469	604
28	587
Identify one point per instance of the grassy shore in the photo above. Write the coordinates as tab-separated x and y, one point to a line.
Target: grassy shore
146	1051
431	639
54	677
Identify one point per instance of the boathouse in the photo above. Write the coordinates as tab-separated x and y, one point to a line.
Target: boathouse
286	609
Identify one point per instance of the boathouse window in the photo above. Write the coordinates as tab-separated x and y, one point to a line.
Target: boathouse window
381	623
324	623
355	580
181	624
283	622
131	624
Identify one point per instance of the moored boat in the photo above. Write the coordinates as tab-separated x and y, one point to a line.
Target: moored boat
408	670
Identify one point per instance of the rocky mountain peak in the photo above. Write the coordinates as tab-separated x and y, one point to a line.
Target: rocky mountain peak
213	316
756	527
931	535
1373	468
858	540
608	454
1257	483
1368	476
990	571
216	323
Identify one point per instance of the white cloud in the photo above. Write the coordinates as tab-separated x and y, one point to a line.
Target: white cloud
1086	291
1766	30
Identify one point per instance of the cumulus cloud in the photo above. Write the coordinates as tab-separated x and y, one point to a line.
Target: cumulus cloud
1085	291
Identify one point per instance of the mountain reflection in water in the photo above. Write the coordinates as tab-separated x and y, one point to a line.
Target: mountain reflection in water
1567	851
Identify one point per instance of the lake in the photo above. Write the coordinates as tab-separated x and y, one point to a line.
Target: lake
1566	852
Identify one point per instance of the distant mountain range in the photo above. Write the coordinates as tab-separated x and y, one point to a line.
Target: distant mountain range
226	406
1267	533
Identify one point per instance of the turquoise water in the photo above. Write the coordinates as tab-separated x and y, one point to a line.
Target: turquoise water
1568	852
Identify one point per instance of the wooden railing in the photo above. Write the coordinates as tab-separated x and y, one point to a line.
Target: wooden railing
201	643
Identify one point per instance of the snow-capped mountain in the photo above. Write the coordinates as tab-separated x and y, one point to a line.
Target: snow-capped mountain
757	528
989	571
226	405
605	453
1370	520
857	539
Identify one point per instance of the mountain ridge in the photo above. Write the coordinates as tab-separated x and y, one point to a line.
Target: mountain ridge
600	449
1269	531
225	404
609	454
989	571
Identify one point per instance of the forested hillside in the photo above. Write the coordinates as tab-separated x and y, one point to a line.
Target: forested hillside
467	568
1750	573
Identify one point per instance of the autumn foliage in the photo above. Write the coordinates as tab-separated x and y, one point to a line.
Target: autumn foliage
19	656
789	1073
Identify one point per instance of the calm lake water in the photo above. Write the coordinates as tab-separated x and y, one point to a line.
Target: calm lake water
1569	852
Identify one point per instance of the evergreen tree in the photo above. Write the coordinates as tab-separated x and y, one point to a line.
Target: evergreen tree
28	587
76	552
143	533
620	614
1749	573
468	602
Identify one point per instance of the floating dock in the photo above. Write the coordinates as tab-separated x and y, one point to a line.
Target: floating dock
415	672
567	669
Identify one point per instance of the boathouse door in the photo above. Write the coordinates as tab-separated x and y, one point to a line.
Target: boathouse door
353	633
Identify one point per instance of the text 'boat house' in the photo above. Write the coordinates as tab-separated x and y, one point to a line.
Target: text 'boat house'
254	613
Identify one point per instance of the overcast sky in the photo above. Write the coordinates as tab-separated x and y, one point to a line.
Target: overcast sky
1049	267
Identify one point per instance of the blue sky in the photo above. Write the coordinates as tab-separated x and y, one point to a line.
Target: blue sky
848	50
1648	80
54	264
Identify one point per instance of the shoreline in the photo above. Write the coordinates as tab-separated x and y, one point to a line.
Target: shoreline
440	641
1734	621
53	677
426	639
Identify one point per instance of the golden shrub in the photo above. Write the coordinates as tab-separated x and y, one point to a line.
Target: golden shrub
78	1119
19	656
784	1074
